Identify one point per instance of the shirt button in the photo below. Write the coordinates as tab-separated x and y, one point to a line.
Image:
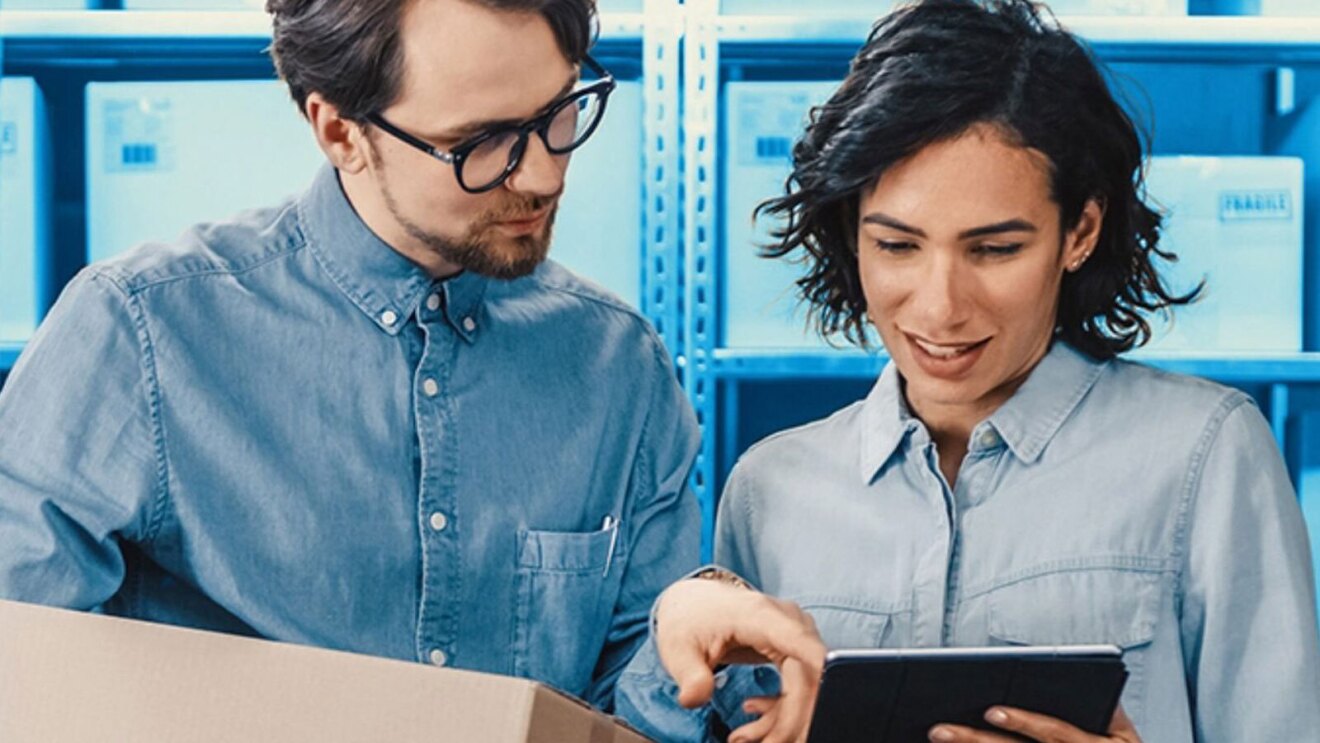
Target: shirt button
438	521
989	438
388	317
433	302
469	324
430	387
438	657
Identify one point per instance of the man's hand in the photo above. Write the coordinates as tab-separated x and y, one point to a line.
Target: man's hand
703	623
1035	727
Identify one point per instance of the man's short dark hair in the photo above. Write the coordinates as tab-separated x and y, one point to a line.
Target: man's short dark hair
349	50
929	73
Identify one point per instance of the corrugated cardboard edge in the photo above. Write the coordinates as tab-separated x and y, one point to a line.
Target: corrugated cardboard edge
70	676
557	717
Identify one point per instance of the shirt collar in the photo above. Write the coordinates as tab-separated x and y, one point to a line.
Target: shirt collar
886	422
1026	422
381	282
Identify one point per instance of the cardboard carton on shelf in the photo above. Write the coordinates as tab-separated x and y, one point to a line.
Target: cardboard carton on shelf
71	676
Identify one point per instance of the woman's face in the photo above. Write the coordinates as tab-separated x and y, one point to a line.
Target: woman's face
961	257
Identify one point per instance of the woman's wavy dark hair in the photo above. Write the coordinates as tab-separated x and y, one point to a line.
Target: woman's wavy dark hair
928	73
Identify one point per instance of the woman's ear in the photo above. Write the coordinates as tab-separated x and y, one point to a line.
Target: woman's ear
1083	237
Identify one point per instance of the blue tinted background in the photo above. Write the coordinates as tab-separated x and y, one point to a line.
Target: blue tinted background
1194	98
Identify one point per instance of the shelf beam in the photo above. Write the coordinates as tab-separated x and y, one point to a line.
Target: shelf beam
768	364
200	24
1229	31
9	355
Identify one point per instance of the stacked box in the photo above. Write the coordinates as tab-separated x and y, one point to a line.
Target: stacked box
1235	222
164	156
24	207
758	295
598	231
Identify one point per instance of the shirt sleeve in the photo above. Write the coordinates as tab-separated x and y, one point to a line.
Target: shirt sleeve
663	536
647	695
79	462
1248	594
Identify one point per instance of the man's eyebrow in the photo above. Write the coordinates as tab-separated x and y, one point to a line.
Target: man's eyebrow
474	128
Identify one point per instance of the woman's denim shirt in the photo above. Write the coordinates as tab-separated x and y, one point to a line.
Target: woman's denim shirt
1105	502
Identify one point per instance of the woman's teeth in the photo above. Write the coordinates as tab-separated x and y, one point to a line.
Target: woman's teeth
945	352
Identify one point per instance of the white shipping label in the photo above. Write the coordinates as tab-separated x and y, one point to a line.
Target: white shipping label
138	135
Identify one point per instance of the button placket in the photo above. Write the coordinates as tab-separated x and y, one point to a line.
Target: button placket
441	555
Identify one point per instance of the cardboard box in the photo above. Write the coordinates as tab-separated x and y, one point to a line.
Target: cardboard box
24	207
70	676
153	167
760	303
1236	223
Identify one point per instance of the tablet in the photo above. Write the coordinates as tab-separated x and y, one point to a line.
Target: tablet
898	695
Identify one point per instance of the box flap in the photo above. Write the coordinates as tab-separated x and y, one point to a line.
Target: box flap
69	676
558	717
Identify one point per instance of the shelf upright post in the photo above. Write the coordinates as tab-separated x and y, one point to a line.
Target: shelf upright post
661	296
700	107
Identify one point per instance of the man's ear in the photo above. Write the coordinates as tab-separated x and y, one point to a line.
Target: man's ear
344	142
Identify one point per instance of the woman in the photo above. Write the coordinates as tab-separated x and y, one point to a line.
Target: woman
973	192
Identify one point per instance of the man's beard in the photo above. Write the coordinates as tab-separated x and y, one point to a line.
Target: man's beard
481	250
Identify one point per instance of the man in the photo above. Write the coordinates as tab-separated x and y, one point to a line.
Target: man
374	418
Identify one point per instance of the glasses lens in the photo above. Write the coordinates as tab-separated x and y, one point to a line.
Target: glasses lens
574	122
487	163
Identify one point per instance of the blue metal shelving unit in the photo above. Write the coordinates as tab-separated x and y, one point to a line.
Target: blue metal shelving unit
683	53
720	48
8	355
1297	368
75	47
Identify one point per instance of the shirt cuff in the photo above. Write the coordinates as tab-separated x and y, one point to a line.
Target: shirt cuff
655	605
736	684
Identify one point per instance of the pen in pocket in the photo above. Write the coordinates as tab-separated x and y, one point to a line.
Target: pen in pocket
612	527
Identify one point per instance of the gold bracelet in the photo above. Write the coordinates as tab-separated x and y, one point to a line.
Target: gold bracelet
723	576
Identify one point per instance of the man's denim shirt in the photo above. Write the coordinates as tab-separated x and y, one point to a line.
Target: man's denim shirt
1103	503
281	427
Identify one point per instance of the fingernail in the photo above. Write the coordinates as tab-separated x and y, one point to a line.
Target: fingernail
997	716
941	734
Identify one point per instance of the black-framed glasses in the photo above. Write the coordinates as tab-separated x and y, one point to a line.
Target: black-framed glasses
488	159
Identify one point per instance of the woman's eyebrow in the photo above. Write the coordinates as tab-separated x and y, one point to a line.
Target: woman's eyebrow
881	218
1008	225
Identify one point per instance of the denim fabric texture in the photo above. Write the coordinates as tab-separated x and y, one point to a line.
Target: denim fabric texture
280	427
1102	503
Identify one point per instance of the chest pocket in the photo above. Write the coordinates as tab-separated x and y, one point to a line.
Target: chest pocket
845	625
560	625
1083	607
